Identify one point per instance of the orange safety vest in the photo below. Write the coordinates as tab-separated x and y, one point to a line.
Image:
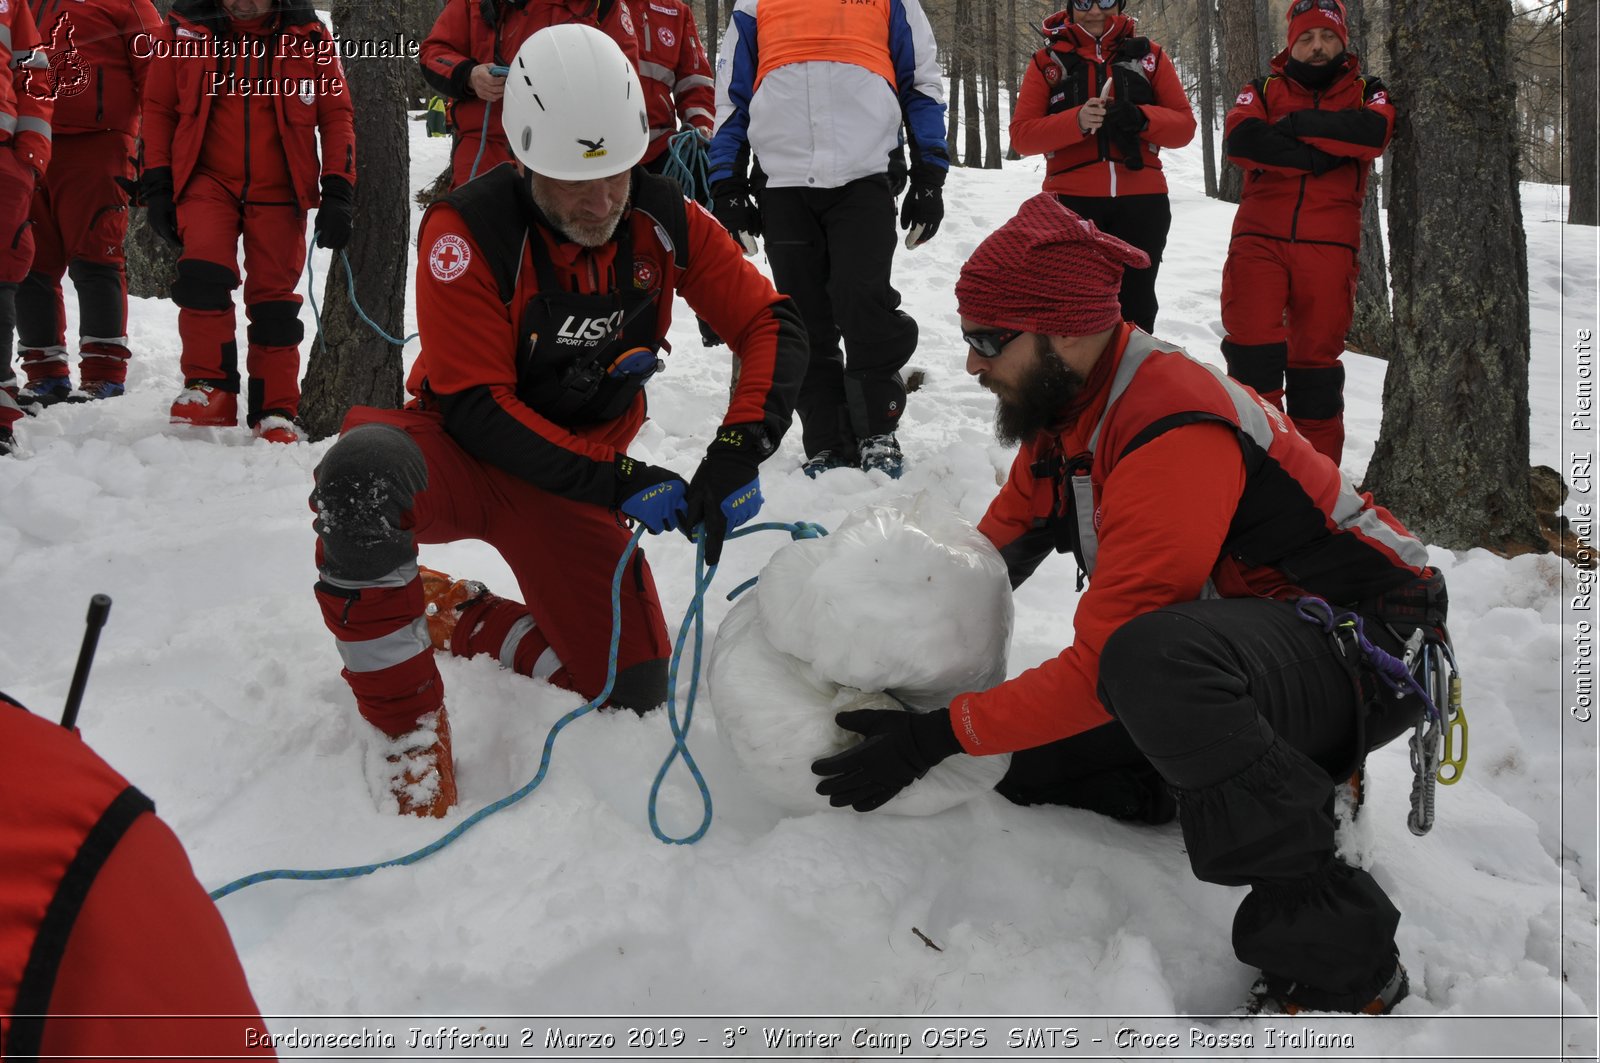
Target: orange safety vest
851	31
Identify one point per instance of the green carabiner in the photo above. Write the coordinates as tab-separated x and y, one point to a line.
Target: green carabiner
1453	764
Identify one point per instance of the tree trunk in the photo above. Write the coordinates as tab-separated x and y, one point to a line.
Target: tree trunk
1237	28
953	111
152	265
1013	72
973	149
1579	42
1371	330
991	81
1208	97
711	31
1452	455
350	364
1266	40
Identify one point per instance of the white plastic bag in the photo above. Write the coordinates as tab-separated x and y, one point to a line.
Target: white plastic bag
908	598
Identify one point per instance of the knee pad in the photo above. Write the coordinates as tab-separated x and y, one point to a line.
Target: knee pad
640	687
102	300
204	285
364	490
1258	366
1314	394
275	324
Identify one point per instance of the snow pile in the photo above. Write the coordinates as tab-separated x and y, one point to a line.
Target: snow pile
905	596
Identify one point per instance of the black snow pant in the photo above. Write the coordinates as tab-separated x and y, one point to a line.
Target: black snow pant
1142	221
1251	716
831	251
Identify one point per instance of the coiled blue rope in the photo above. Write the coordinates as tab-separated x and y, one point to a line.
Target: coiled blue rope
693	620
688	165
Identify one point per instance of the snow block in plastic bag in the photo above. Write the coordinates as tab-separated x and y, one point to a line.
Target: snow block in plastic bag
948	633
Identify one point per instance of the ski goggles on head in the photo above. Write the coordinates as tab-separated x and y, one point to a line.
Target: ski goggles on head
989	342
1105	5
1300	7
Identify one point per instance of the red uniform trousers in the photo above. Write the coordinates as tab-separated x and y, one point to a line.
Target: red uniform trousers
211	221
495	151
563	553
16	252
1286	308
80	216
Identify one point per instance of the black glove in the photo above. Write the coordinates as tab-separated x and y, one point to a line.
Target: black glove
726	488
732	206
898	173
155	188
131	188
898	749
708	335
649	494
336	215
1122	126
923	208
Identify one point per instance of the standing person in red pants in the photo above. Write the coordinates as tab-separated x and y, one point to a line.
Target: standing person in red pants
25	110
99	56
1305	137
231	126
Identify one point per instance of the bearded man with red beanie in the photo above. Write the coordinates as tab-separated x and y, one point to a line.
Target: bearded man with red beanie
1305	137
1099	102
238	97
99	55
1201	517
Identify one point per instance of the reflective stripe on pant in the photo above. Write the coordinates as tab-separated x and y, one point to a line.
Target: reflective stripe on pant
1249	713
1301	296
831	251
211	223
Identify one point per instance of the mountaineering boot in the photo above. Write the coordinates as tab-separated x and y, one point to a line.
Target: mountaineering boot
883	453
825	460
446	600
102	389
422	770
278	430
202	403
46	391
1271	995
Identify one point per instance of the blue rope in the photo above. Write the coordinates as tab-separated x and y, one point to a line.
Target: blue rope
350	284
483	140
688	165
693	620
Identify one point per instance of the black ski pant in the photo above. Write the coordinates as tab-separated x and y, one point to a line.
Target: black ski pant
831	251
1142	221
1251	716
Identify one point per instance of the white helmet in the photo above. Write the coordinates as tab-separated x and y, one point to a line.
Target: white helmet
573	108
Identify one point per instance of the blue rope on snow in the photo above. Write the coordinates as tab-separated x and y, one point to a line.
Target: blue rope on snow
694	619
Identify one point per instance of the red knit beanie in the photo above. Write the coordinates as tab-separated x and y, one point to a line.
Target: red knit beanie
1046	271
1324	14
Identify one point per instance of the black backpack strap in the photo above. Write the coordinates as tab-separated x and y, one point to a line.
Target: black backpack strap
662	199
482	205
55	931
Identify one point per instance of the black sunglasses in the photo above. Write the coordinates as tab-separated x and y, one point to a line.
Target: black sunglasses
1301	6
1105	5
989	342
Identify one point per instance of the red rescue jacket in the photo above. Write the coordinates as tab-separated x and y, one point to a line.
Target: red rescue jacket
1065	74
476	367
100	914
99	58
678	86
25	104
1169	482
308	92
470	32
1306	154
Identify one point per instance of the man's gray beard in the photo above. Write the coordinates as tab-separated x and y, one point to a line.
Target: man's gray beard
582	235
1047	389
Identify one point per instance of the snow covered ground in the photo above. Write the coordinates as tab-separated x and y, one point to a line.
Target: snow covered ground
217	691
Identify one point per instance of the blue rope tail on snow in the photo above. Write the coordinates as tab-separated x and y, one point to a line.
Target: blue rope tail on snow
350	284
688	165
488	810
693	620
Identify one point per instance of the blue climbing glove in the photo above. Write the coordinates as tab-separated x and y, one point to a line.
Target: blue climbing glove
726	489
651	495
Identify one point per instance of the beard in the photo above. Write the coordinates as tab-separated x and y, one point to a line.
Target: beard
1036	402
584	234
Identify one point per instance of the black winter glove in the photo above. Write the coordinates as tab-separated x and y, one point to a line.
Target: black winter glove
1122	126
899	748
155	188
726	488
336	215
732	206
708	335
650	494
923	208
899	174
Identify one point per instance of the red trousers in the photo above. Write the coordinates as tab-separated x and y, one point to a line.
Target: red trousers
211	222
16	235
495	152
1286	308
563	553
80	217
